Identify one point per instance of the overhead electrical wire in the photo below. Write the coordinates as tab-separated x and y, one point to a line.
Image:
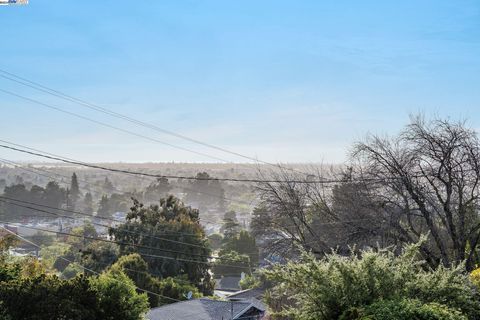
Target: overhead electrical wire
9	200
19	166
42	88
84	214
99	217
107	125
125	244
107	218
137	173
185	243
45	211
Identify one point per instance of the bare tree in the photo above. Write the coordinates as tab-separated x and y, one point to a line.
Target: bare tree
427	180
310	212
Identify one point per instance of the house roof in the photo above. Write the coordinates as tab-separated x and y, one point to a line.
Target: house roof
204	309
248	294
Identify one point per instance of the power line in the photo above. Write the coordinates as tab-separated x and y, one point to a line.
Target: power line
84	214
21	167
163	239
34	85
143	272
75	162
126	244
71	211
202	219
107	226
97	273
107	125
32	171
158	238
127	231
94	186
130	172
324	181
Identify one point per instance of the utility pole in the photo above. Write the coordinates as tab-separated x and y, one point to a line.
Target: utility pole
231	310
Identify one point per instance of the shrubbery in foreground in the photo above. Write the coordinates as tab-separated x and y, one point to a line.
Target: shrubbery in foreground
39	296
403	309
374	285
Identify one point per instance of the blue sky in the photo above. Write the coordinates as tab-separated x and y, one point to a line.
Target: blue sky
288	81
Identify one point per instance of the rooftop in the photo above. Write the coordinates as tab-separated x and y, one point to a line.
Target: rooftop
206	309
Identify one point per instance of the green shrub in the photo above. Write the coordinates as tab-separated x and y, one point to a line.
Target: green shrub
249	282
402	310
71	271
167	290
326	288
117	296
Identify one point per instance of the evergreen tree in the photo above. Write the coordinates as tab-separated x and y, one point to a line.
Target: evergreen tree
244	243
108	186
88	203
74	190
104	209
230	227
157	190
55	196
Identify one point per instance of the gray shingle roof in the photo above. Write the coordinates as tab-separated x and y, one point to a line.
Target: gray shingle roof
203	309
248	294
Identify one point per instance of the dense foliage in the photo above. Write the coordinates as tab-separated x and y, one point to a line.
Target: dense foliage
117	297
27	292
170	239
51	195
403	309
165	290
333	286
231	263
243	243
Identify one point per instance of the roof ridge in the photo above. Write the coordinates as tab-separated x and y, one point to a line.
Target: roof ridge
224	301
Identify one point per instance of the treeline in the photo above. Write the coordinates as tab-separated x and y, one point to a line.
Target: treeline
204	194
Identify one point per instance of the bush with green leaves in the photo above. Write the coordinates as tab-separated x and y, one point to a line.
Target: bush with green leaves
326	288
72	270
117	296
231	263
403	309
49	297
249	282
27	292
167	290
173	289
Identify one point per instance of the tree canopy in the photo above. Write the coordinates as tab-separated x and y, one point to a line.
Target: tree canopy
177	241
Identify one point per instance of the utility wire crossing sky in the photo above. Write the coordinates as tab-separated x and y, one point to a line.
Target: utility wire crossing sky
274	80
